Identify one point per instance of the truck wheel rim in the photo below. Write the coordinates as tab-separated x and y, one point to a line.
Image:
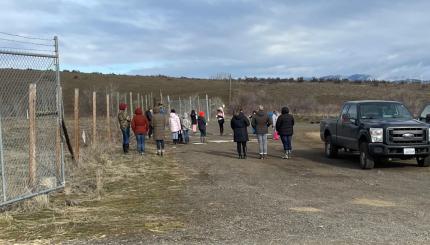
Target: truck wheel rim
328	148
363	158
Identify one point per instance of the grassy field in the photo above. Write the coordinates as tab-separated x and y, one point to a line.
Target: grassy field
109	193
303	97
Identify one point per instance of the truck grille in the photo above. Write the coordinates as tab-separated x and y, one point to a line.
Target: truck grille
407	136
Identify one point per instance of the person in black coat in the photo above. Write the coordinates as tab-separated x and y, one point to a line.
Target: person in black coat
239	124
148	115
285	128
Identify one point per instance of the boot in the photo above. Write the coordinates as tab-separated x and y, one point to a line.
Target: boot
261	156
240	156
289	153
127	146
285	155
158	152
123	148
162	152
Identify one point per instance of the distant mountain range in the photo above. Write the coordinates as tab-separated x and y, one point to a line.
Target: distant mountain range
366	77
354	77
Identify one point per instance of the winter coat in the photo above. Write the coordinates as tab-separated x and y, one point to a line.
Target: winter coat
139	124
193	116
285	123
261	122
274	118
159	124
123	119
239	124
186	123
174	123
148	115
220	114
201	121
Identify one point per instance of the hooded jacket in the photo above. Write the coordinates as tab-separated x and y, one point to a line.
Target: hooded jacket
139	124
174	122
159	124
123	119
186	124
285	123
239	124
261	122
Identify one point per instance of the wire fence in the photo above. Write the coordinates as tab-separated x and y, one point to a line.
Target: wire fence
31	149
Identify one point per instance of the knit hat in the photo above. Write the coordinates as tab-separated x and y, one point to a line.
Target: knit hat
122	106
201	114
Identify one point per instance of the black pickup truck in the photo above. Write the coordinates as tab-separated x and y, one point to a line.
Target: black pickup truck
379	130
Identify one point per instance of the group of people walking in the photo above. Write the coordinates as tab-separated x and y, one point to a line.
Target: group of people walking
260	122
153	123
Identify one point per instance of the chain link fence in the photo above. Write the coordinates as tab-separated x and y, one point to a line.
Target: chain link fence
31	150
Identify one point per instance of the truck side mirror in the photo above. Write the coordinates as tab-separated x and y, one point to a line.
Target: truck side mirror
428	118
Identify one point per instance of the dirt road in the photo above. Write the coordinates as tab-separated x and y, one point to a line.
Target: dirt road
306	199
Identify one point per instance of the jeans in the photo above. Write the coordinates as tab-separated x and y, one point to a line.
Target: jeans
175	135
125	136
140	139
286	141
186	136
262	143
160	144
221	126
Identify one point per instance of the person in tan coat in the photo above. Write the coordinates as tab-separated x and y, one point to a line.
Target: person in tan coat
159	124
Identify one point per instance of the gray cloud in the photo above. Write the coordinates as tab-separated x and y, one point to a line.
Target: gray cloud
387	39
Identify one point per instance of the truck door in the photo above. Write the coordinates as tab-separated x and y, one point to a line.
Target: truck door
349	128
340	132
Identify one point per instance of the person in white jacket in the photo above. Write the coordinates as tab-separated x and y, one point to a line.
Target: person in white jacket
175	126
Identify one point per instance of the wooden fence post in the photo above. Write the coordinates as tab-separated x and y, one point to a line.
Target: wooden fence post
168	103
94	118
109	135
32	136
198	103
77	130
146	102
138	100
131	104
208	113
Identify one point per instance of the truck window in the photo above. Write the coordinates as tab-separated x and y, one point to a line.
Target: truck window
344	110
425	112
384	110
352	112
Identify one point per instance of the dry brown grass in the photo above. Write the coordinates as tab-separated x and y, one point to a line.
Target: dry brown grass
106	194
305	98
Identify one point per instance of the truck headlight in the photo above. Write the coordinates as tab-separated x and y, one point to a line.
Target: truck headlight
376	135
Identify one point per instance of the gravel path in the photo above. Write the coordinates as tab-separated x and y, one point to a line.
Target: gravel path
304	200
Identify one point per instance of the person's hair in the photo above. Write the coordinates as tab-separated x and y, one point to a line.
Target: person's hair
173	111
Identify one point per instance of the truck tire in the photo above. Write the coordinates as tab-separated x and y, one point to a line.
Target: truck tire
365	160
330	149
423	161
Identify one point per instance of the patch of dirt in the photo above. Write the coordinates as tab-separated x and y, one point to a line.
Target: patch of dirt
373	202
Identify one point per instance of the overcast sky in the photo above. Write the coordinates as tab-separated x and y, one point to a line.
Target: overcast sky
386	39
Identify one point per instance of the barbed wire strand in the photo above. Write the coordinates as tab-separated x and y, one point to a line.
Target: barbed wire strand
27	49
17	41
27	37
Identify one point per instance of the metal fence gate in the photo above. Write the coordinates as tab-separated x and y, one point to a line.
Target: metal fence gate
31	148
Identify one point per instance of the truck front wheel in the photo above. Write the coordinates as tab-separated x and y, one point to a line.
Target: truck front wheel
423	161
365	161
330	149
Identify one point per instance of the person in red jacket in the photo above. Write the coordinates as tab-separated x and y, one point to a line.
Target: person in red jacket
140	127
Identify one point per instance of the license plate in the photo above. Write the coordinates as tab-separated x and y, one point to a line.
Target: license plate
409	151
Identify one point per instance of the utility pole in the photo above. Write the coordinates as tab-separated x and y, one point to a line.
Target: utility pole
229	95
